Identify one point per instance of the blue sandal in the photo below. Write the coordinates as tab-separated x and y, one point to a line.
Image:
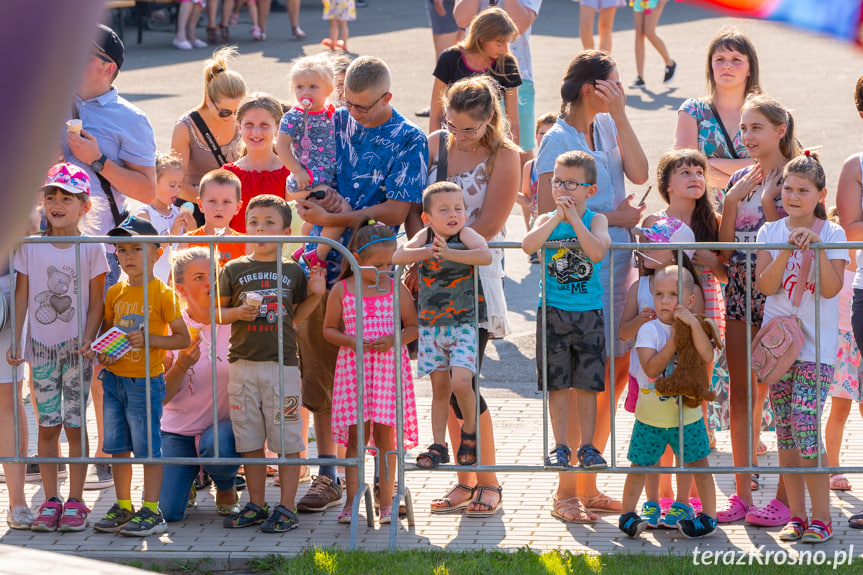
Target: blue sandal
558	458
589	457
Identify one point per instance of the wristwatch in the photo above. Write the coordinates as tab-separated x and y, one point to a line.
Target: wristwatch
99	164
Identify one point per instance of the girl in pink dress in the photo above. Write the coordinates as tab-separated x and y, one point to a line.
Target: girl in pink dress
372	245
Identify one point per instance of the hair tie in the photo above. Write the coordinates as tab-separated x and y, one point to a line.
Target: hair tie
806	153
376	238
371	222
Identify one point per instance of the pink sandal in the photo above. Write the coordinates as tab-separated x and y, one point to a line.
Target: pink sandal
735	510
774	514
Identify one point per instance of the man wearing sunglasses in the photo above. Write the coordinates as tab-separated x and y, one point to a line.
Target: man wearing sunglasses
115	145
381	168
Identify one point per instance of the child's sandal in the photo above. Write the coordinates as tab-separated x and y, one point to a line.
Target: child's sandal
589	457
434	455
345	515
386	516
467	450
558	458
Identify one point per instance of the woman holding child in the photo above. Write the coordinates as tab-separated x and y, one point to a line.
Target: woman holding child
476	154
187	419
593	119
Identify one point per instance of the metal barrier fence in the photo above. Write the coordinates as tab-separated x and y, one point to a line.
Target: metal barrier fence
403	493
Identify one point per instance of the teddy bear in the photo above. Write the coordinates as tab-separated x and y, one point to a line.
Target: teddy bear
54	303
690	377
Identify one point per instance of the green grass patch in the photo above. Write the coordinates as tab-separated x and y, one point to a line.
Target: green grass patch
326	561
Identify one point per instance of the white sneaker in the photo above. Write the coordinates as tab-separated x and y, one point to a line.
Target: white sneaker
198	43
181	44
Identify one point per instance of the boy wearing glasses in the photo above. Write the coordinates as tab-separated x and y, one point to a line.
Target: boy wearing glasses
574	326
381	168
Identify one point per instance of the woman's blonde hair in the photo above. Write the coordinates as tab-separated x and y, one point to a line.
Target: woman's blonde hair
477	97
220	83
169	161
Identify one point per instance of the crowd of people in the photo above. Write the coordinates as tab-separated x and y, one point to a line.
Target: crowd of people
281	331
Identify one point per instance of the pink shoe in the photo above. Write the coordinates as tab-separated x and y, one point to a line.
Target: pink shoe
665	504
774	514
48	516
735	510
74	516
312	259
298	254
696	505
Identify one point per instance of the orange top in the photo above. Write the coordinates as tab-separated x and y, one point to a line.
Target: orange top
225	252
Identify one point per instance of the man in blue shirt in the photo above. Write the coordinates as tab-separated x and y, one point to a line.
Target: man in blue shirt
381	168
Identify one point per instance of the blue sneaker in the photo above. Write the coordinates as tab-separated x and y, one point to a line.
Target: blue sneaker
631	524
651	513
677	513
701	526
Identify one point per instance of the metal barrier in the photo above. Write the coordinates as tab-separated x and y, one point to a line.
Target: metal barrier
403	493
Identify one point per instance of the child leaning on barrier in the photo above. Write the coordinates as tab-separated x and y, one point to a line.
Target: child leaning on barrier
46	299
124	381
448	318
262	409
575	329
657	419
798	397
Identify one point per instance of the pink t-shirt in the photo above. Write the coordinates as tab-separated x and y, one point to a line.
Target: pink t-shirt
190	411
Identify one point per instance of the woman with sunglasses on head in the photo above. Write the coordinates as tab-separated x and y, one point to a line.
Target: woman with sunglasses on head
208	136
593	119
475	152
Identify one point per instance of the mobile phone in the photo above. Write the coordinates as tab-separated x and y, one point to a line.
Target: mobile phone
644	197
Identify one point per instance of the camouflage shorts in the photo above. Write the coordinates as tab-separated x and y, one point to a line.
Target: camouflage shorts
576	349
57	385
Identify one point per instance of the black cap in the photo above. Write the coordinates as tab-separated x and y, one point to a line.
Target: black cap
133	226
108	42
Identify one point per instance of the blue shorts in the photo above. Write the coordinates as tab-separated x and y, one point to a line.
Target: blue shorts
442	24
526	121
648	443
124	414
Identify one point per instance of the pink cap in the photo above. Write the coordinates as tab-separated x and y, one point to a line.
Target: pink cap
68	177
668	231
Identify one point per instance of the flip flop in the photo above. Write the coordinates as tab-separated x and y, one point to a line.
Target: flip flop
838	482
774	514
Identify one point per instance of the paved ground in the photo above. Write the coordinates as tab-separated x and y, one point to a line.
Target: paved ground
166	82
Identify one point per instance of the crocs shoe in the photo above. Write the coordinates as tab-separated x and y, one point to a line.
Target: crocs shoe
74	516
817	532
665	504
774	514
651	513
678	512
48	516
631	524
695	503
702	526
735	510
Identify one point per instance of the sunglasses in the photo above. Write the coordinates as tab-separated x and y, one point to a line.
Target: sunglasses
224	113
363	109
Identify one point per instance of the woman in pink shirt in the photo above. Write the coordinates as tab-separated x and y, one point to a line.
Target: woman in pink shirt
187	420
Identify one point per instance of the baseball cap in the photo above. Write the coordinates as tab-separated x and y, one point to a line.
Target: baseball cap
133	226
68	177
108	42
668	231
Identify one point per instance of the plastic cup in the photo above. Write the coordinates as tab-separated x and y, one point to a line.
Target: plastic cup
254	298
74	126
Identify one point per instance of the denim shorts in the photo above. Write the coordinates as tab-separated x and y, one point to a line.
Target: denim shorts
124	414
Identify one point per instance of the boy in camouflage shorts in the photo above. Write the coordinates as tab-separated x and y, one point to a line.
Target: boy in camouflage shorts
447	315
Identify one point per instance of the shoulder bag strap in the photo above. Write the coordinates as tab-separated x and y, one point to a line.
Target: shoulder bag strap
442	156
209	138
731	149
118	216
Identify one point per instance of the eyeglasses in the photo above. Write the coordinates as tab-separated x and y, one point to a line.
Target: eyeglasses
105	59
447	125
569	186
363	109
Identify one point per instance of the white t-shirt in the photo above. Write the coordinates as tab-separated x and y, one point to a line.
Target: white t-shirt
779	304
52	306
162	269
651	408
520	48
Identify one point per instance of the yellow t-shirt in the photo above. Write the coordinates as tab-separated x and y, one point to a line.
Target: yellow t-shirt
124	309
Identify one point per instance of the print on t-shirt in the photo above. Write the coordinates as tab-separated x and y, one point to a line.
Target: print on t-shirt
571	268
56	302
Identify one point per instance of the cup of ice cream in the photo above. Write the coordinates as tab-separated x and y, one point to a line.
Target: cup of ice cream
74	126
254	298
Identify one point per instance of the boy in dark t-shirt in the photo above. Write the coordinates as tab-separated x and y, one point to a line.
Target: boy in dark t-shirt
249	301
447	318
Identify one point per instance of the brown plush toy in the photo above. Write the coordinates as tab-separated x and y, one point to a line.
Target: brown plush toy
690	378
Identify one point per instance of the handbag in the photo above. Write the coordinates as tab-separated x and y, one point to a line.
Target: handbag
779	342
